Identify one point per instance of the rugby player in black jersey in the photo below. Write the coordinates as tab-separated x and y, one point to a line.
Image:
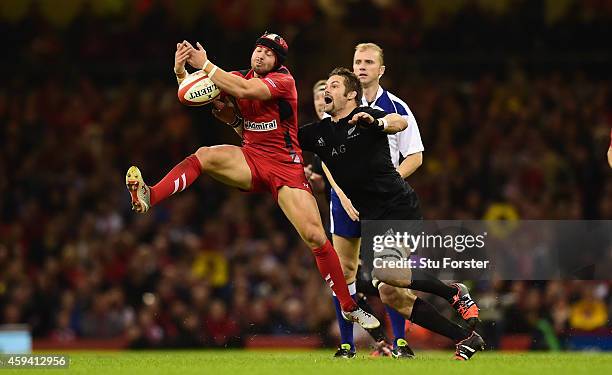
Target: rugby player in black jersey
353	143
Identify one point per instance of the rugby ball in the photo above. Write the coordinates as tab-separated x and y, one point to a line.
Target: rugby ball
197	89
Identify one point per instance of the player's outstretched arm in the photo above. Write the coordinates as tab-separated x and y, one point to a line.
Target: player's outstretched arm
344	200
231	84
610	156
410	164
395	123
390	124
181	55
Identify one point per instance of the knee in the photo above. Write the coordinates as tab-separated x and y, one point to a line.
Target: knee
314	236
389	295
396	297
203	155
206	158
349	268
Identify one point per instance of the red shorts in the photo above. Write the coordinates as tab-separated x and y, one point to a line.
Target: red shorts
268	174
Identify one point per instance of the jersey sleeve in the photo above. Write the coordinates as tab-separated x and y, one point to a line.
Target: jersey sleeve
281	85
306	137
374	112
409	140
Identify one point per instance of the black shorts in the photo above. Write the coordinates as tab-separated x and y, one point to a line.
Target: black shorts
403	207
405	211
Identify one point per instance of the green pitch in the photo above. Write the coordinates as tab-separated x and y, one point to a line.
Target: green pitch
319	363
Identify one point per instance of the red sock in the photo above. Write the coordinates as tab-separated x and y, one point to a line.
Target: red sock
177	180
329	267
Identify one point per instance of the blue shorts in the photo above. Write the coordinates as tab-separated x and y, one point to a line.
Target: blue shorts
340	222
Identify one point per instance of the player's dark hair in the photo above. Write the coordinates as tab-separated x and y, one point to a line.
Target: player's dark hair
351	82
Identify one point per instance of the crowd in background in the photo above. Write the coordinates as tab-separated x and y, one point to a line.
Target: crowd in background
212	266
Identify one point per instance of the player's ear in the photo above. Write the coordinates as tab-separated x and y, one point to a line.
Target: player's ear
381	71
351	95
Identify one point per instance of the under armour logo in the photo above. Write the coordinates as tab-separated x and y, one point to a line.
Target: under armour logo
177	184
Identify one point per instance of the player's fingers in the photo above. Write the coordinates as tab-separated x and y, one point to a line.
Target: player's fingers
308	171
348	207
199	46
354	211
218	104
364	116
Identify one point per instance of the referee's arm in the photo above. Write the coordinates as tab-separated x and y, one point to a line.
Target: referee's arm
414	161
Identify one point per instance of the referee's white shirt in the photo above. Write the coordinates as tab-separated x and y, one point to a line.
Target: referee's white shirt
406	142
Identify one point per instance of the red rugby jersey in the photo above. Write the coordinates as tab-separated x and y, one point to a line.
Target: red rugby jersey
271	126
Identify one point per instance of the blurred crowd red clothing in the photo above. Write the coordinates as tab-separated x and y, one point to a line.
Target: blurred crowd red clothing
212	265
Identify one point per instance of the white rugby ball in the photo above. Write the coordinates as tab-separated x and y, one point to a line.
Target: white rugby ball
197	89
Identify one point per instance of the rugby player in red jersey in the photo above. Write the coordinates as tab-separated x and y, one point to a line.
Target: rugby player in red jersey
270	158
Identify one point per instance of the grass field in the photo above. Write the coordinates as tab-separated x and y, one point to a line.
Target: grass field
319	363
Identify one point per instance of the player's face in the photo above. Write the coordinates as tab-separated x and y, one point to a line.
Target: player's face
366	66
319	103
262	60
336	97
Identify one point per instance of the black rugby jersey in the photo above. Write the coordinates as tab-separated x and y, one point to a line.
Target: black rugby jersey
358	158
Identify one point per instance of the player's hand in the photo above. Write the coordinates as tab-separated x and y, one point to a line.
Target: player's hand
362	119
197	56
348	205
308	171
315	179
224	110
181	55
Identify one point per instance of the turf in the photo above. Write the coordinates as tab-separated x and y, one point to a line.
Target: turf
319	363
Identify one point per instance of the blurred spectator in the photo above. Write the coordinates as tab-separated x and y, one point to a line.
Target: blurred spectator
590	312
220	327
214	265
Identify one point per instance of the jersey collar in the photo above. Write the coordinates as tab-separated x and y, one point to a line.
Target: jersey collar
379	93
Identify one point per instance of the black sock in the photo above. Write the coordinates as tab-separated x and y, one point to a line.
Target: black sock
424	282
378	334
366	287
425	315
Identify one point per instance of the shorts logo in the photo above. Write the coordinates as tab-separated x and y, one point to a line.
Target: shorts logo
260	126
